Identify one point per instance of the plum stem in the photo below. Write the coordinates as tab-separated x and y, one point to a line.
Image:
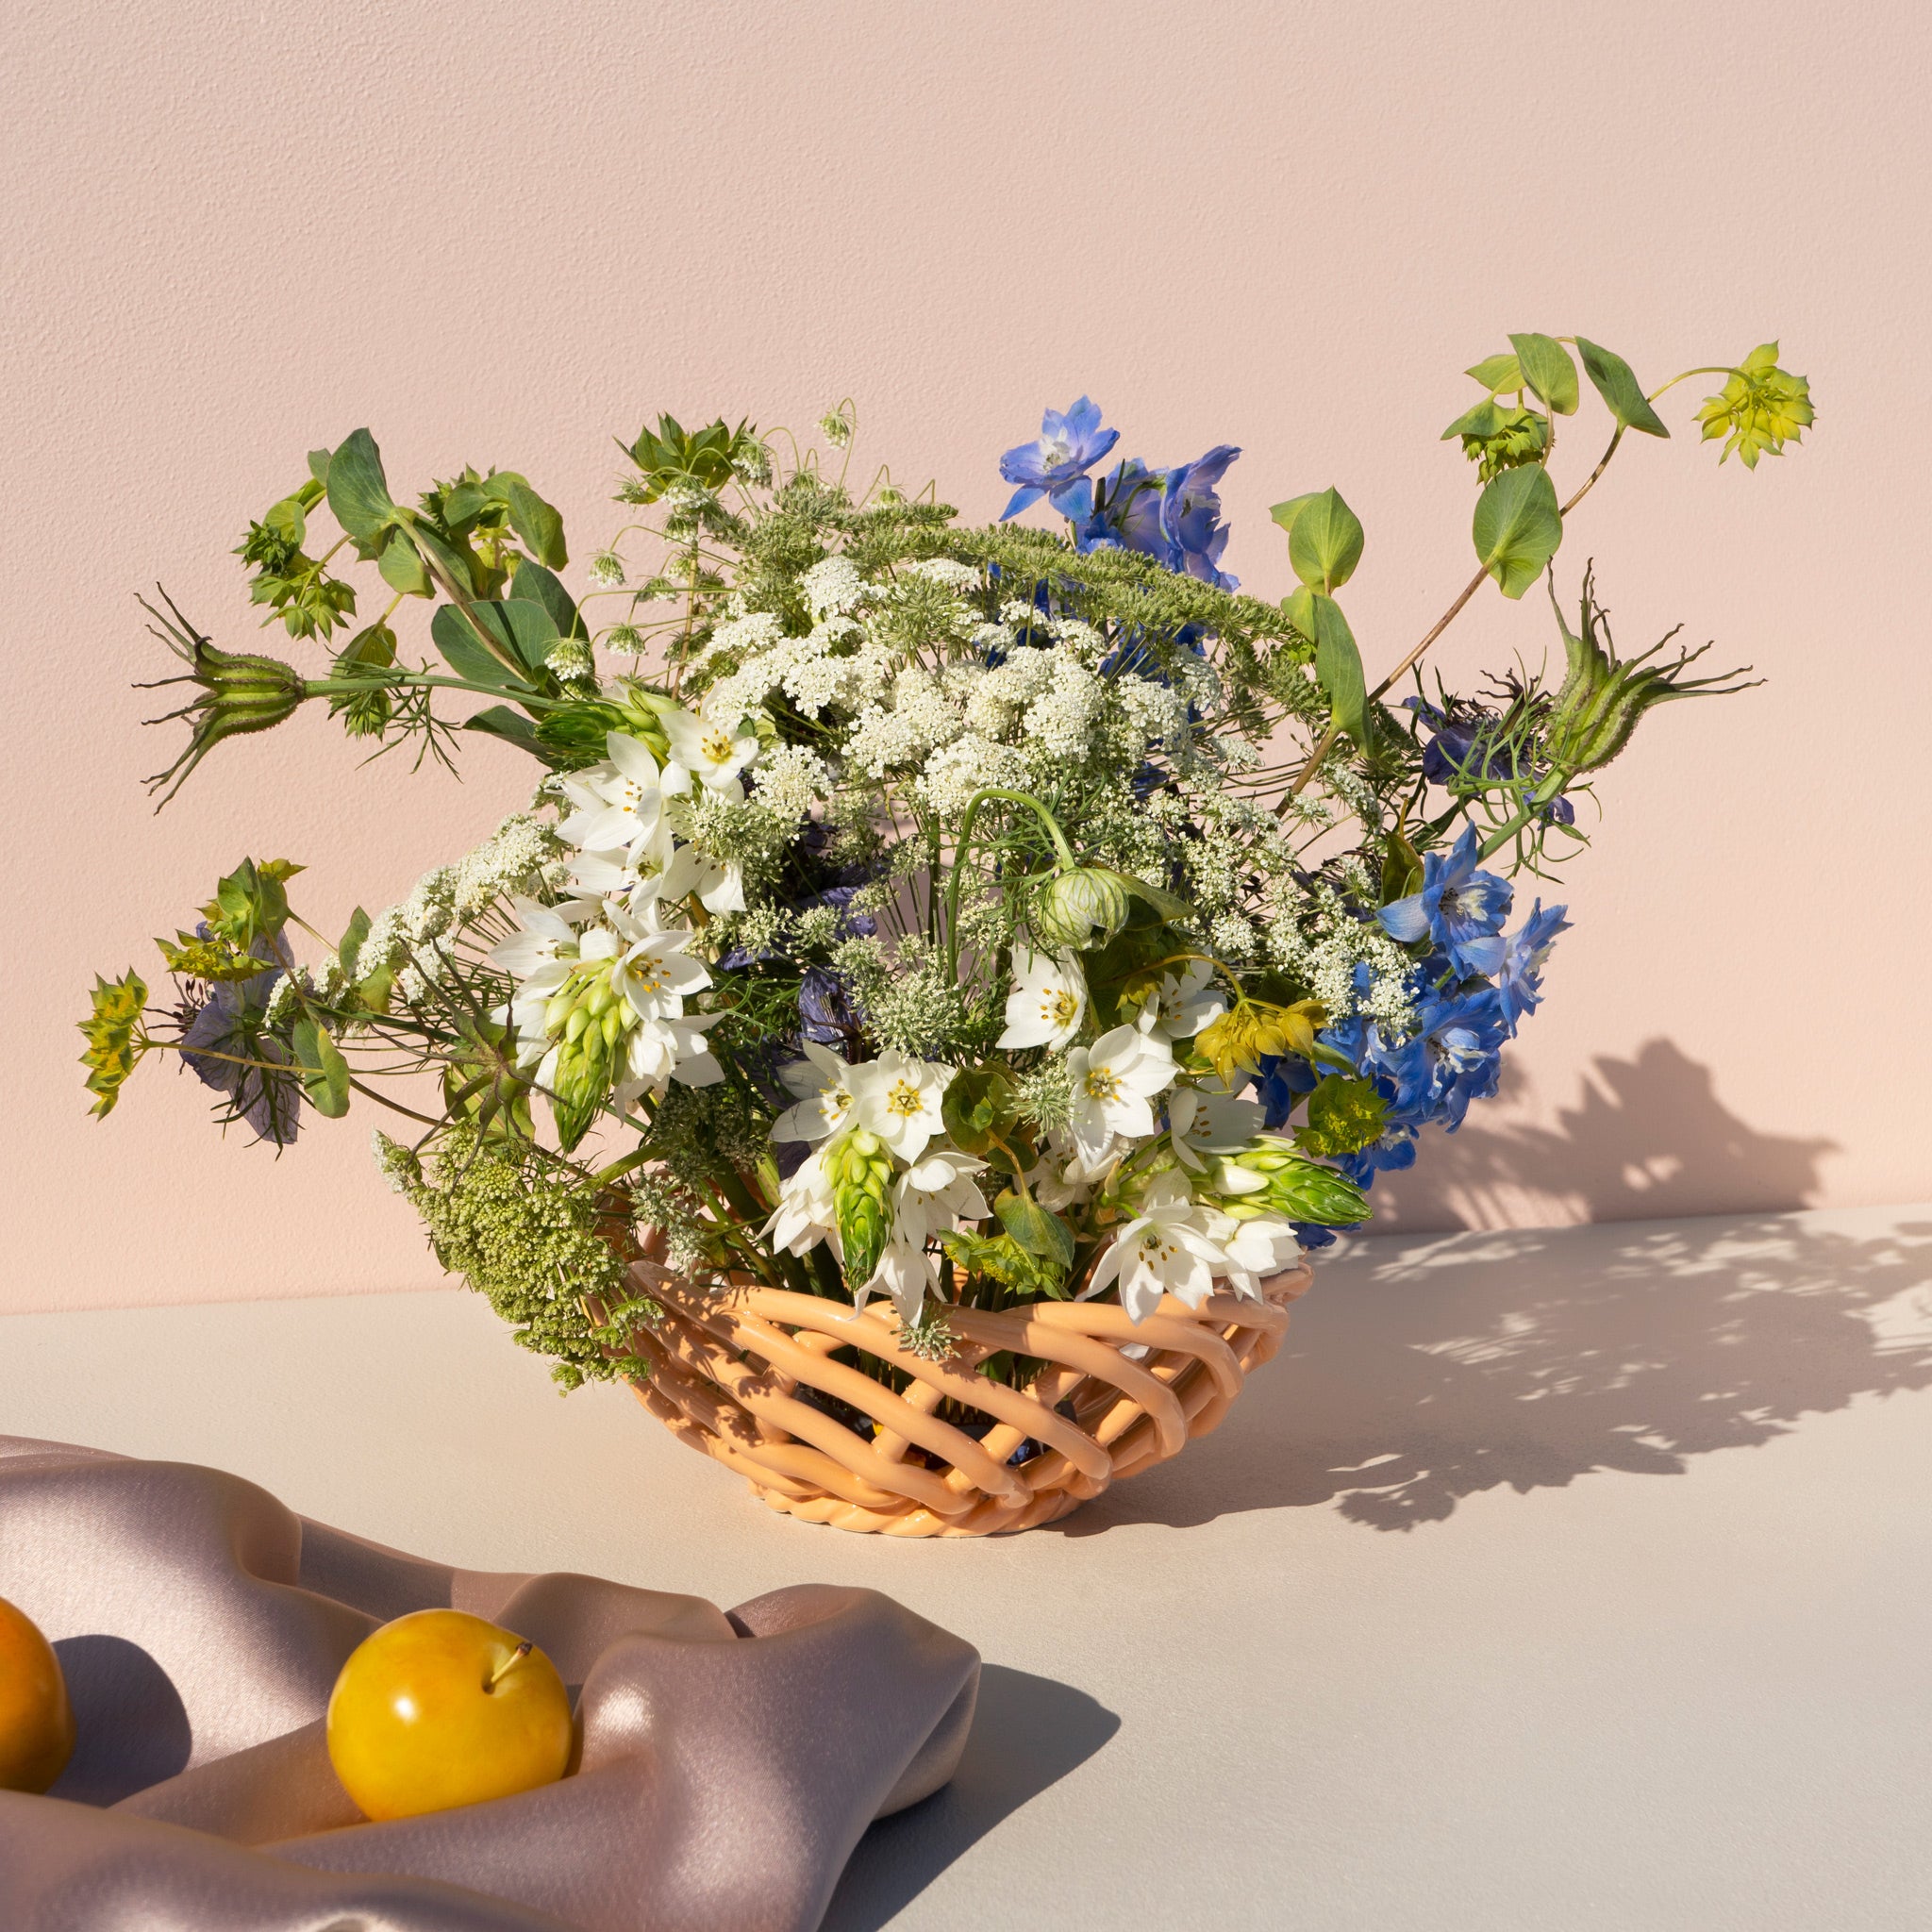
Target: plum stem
522	1651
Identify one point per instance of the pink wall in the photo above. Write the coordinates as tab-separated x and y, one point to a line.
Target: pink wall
500	233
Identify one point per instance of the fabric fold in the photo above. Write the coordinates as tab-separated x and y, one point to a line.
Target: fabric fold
729	1760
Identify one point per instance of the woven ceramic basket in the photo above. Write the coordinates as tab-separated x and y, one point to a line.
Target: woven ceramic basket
738	1371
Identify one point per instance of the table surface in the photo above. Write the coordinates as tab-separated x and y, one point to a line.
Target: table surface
1555	1579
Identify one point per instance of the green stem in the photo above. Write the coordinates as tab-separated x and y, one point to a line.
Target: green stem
1551	787
962	843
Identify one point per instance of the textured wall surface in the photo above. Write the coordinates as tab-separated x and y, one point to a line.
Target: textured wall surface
500	233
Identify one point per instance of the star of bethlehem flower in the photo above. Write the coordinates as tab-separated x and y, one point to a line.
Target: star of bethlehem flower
1047	1003
807	1213
934	1193
1113	1081
1166	1249
1201	1121
898	1098
823	1082
1187	1001
620	804
712	750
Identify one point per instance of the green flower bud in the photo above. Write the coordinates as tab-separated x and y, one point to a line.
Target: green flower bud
1295	1187
1081	906
860	1172
110	1028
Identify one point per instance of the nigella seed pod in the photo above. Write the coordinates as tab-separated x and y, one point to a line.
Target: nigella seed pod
1080	907
237	692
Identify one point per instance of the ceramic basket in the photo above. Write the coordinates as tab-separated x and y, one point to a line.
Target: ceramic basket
742	1372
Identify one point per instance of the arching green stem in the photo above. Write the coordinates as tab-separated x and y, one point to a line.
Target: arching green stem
963	844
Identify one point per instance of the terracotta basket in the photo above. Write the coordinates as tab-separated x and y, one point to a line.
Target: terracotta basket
733	1369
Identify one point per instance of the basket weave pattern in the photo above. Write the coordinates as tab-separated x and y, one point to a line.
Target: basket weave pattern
732	1368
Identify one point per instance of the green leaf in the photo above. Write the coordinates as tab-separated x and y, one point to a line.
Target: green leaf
464	652
359	494
1517	527
351	947
1165	904
1325	542
978	1103
1548	369
318	466
286	520
537	525
1338	662
1483	420
1286	513
540	586
1499	374
1037	1229
403	568
1620	388
323	1072
499	721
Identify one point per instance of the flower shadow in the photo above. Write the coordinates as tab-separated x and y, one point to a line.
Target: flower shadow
1421	1370
1027	1733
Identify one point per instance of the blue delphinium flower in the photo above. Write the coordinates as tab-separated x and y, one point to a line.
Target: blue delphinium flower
1190	517
1071	442
1519	979
1462	909
1455	1056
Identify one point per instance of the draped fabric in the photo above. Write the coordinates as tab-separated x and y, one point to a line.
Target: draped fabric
730	1760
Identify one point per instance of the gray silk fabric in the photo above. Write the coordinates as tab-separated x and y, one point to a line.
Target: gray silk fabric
730	1760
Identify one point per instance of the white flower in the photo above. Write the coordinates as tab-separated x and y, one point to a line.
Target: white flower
718	882
823	1086
1047	1003
1188	1001
1201	1121
654	973
807	1213
659	1051
1164	1250
1259	1247
897	1098
621	803
832	588
1113	1081
933	1193
710	750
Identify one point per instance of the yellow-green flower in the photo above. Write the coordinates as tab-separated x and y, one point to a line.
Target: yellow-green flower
112	1047
1760	408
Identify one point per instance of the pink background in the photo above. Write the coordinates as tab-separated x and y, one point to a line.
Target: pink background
500	234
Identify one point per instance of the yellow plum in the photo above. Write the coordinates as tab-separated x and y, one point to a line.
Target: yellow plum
36	1719
440	1709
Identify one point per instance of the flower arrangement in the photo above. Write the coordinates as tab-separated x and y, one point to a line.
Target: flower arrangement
955	918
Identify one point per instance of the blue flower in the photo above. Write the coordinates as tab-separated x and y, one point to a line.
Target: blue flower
1190	517
1462	909
1070	444
1455	1056
1519	988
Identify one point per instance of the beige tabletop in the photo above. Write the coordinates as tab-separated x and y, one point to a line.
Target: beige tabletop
1553	1580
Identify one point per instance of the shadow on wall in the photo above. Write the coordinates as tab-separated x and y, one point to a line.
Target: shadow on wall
1649	1138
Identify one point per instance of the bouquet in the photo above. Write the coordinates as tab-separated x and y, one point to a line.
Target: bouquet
938	917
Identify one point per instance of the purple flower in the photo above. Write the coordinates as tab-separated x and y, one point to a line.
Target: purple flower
1070	444
1455	1056
228	1030
825	1008
1462	909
